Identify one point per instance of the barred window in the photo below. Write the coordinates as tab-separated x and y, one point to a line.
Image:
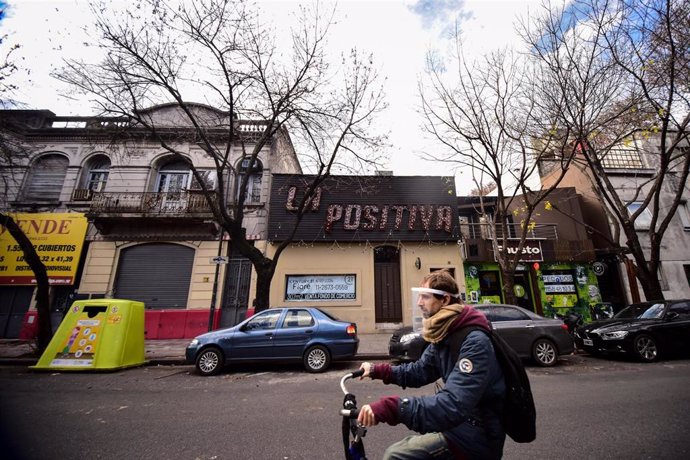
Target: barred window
622	159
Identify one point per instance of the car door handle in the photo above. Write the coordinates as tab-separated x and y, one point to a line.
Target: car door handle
530	325
268	334
308	331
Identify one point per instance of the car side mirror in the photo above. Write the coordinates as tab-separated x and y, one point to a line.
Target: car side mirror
672	315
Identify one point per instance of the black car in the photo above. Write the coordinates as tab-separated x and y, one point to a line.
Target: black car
529	334
645	331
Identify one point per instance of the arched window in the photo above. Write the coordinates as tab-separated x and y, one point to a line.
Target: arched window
46	177
96	176
173	177
253	195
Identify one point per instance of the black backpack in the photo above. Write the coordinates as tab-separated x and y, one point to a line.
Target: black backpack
519	413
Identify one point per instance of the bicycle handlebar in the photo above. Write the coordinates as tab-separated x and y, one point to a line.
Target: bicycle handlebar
351	375
354	448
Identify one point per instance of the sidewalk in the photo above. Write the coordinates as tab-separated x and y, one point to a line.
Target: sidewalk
168	352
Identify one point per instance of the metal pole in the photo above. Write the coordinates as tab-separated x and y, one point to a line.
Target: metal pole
212	310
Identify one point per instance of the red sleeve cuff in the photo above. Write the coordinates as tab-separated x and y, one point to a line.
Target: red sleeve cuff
386	410
382	371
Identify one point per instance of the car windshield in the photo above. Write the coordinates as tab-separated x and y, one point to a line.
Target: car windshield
642	311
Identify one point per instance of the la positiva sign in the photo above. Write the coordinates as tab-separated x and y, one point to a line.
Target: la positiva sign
377	217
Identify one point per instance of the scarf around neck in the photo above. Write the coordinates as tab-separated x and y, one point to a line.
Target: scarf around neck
436	328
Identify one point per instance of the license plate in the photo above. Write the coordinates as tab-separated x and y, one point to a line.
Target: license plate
587	342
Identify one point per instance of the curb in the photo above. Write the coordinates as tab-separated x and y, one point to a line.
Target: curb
171	361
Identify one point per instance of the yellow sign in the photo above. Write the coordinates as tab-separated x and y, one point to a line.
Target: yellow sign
58	240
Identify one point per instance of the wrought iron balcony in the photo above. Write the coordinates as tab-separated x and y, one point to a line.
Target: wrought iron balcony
82	194
171	204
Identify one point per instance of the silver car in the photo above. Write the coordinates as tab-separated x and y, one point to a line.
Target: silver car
529	334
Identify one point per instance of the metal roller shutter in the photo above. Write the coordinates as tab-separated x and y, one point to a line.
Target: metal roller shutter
157	274
46	178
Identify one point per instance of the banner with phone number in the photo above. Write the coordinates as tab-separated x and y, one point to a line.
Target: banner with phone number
58	240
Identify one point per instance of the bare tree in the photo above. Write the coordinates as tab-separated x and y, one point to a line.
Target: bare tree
171	52
486	117
621	67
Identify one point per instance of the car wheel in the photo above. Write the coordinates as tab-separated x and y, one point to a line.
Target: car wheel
544	352
317	359
645	348
209	361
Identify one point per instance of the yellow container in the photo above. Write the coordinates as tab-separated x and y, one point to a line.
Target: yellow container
97	334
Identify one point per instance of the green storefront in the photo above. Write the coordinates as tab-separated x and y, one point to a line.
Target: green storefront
543	287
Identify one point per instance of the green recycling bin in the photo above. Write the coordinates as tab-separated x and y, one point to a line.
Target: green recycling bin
98	334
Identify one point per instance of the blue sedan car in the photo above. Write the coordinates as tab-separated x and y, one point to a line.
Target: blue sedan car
309	335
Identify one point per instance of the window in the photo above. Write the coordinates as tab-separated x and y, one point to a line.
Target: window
97	173
507	314
253	195
643	221
208	180
298	318
683	310
173	177
622	159
263	321
684	215
687	273
46	178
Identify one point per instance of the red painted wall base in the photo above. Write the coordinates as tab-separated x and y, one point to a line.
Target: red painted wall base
158	324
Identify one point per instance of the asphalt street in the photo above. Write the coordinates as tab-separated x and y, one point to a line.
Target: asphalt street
601	409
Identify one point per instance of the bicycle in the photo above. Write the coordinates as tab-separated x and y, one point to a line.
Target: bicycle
353	432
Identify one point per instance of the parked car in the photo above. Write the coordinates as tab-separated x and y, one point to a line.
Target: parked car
645	331
529	334
309	335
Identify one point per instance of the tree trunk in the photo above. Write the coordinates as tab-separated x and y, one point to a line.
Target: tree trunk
264	275
651	286
509	287
45	329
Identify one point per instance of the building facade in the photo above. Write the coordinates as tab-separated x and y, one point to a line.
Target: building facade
632	171
363	243
558	270
151	235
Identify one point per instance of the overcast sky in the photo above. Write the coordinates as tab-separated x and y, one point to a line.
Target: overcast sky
397	32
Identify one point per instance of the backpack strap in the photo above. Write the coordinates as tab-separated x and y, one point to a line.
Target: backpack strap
458	336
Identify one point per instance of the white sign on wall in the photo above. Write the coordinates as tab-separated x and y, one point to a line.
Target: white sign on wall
320	287
559	288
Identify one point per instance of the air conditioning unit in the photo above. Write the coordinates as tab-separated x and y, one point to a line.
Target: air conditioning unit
82	194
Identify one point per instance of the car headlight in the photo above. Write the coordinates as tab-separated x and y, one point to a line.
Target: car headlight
408	337
615	335
193	343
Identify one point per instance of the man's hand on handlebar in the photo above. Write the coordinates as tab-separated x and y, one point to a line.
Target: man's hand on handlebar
366	415
366	367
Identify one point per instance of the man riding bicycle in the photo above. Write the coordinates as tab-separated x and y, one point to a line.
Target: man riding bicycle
462	420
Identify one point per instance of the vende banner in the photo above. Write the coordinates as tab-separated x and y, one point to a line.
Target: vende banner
58	240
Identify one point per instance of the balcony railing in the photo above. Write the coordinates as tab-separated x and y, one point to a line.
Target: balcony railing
514	231
150	203
82	194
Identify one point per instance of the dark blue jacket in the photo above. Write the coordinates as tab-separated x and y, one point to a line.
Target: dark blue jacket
468	408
